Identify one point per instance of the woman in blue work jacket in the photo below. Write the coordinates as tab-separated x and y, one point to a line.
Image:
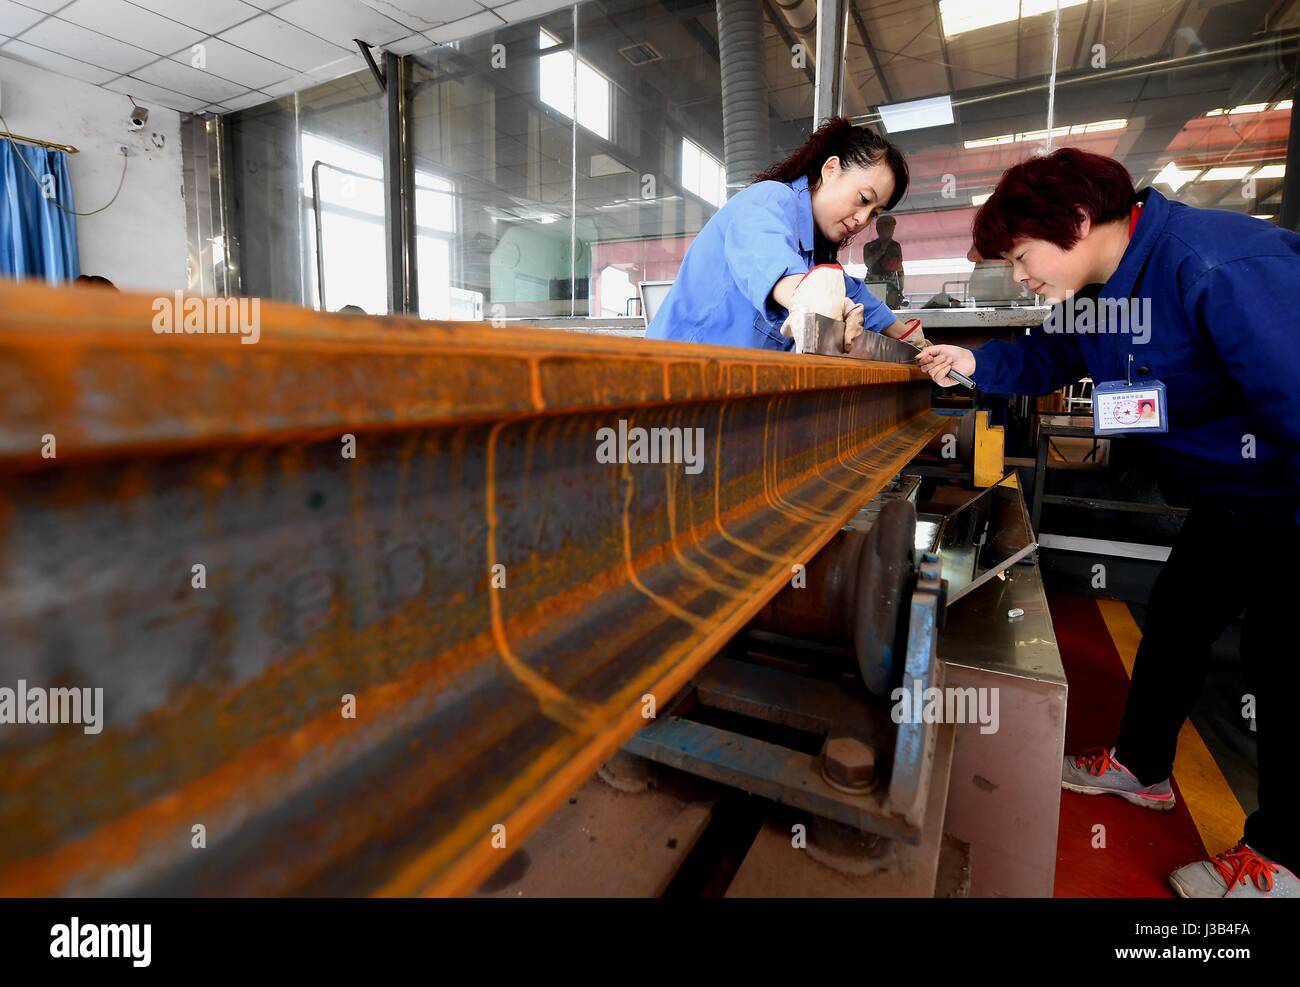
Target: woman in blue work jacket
772	247
1204	302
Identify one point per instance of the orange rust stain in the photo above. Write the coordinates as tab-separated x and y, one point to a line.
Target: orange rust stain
445	874
252	776
697	572
181	806
774	481
535	383
555	702
665	604
717	500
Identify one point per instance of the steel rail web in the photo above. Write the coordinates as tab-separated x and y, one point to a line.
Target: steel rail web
477	704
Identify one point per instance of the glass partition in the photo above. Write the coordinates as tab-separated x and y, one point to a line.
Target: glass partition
318	152
562	161
1201	97
676	150
492	142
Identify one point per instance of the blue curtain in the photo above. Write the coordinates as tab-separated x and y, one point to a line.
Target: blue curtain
37	238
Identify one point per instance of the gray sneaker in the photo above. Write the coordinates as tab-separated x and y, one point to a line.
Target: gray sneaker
1096	772
1225	877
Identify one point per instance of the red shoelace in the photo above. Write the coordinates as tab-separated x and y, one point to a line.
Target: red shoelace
1097	760
1241	862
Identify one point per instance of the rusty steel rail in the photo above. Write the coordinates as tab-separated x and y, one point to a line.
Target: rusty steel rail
496	601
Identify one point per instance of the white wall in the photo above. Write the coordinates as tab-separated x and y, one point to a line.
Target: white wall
138	243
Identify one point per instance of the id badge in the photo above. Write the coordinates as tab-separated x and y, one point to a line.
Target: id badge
1120	408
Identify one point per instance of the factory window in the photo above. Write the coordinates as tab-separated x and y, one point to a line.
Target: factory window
642	198
351	184
272	210
617	293
550	226
351	210
558	86
500	239
703	174
435	238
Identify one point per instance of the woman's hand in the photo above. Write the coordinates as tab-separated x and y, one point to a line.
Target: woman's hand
819	292
853	320
938	360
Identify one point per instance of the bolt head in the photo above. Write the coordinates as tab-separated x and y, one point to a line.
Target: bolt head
850	762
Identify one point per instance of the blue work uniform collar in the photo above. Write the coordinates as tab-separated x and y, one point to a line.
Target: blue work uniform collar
1155	212
800	186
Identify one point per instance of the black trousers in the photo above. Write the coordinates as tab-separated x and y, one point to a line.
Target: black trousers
1221	564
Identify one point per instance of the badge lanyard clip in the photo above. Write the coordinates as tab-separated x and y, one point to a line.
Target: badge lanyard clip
1128	371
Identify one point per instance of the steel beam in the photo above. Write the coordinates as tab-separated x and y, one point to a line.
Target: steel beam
496	600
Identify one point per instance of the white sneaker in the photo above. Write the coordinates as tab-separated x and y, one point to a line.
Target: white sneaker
1225	877
1096	772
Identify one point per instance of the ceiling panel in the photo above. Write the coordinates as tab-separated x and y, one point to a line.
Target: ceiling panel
340	21
191	82
46	6
15	18
127	22
408	46
420	15
151	95
55	62
233	64
87	45
208	16
484	20
281	41
522	10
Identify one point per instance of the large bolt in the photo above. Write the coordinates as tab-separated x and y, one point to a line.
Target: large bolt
849	764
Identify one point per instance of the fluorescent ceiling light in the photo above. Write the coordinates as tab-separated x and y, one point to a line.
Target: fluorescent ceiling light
1232	174
1249	108
1282	104
1038	135
1271	171
959	16
1092	128
990	141
917	114
979	200
1258	215
1175	177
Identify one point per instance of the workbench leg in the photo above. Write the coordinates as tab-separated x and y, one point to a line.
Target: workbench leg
1040	476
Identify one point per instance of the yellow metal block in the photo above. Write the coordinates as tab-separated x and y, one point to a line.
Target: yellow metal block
990	442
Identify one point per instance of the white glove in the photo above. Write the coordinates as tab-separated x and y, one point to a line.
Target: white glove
821	292
916	337
853	317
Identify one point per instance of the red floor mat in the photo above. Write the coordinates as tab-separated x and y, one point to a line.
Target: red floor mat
1142	846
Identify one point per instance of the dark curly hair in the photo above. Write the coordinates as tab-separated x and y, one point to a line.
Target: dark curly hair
838	137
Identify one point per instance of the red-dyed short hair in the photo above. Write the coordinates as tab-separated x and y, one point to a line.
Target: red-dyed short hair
1046	198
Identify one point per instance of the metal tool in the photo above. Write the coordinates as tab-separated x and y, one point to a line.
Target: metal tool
961	378
822	335
826	337
958	377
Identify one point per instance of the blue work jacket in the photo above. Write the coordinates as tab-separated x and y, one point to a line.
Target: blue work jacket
1224	337
721	295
